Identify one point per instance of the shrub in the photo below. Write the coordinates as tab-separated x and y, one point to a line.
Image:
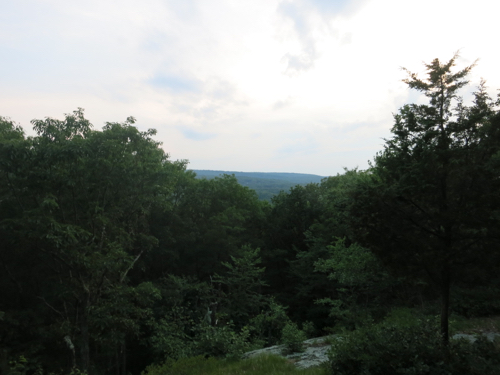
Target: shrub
183	366
411	348
170	341
221	341
309	329
292	338
266	327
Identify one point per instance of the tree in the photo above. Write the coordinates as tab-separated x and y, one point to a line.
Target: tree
287	222
209	221
242	286
431	206
78	203
361	284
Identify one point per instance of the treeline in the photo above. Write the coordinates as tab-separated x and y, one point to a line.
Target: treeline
266	185
115	257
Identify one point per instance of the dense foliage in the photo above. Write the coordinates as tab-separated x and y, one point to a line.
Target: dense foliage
115	259
431	207
411	346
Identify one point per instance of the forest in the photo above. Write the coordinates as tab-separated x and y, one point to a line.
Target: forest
116	259
266	185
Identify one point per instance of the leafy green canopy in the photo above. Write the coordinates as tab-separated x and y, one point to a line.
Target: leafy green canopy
75	207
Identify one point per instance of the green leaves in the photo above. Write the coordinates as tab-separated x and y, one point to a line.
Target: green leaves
440	87
209	220
292	337
78	202
74	125
409	346
361	283
350	266
242	285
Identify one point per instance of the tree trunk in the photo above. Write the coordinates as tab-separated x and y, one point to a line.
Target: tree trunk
84	340
445	303
124	356
4	363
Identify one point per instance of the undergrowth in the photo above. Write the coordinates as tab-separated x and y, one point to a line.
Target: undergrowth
260	365
406	344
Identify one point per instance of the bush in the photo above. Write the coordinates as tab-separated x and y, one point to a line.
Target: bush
309	329
411	348
183	366
221	341
266	327
170	341
292	338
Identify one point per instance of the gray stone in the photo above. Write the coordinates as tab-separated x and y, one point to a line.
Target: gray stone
315	352
490	336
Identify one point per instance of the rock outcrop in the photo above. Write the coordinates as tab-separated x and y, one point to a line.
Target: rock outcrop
316	350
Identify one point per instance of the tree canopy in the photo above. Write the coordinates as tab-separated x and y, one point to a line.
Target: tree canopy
77	203
431	206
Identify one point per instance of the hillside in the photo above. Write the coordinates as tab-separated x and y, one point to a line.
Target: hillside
266	184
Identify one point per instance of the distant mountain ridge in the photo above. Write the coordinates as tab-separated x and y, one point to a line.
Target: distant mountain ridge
266	184
299	178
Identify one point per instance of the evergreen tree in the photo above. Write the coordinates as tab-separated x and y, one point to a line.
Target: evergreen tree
431	208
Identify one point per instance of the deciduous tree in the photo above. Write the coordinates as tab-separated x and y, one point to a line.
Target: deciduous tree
78	203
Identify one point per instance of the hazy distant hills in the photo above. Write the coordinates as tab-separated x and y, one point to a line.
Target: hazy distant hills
265	184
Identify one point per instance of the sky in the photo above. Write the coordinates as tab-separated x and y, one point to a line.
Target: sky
305	86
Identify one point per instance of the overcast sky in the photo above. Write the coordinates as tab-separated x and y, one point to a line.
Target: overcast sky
306	86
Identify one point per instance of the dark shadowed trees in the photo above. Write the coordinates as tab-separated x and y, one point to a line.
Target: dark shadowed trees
78	202
431	207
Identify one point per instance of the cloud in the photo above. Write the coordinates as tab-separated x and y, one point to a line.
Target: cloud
283	103
175	84
304	144
335	7
302	60
194	135
296	64
311	22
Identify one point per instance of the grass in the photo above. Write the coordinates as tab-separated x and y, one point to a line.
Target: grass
259	365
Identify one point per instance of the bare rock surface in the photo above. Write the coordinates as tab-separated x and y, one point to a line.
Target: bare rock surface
490	336
316	350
